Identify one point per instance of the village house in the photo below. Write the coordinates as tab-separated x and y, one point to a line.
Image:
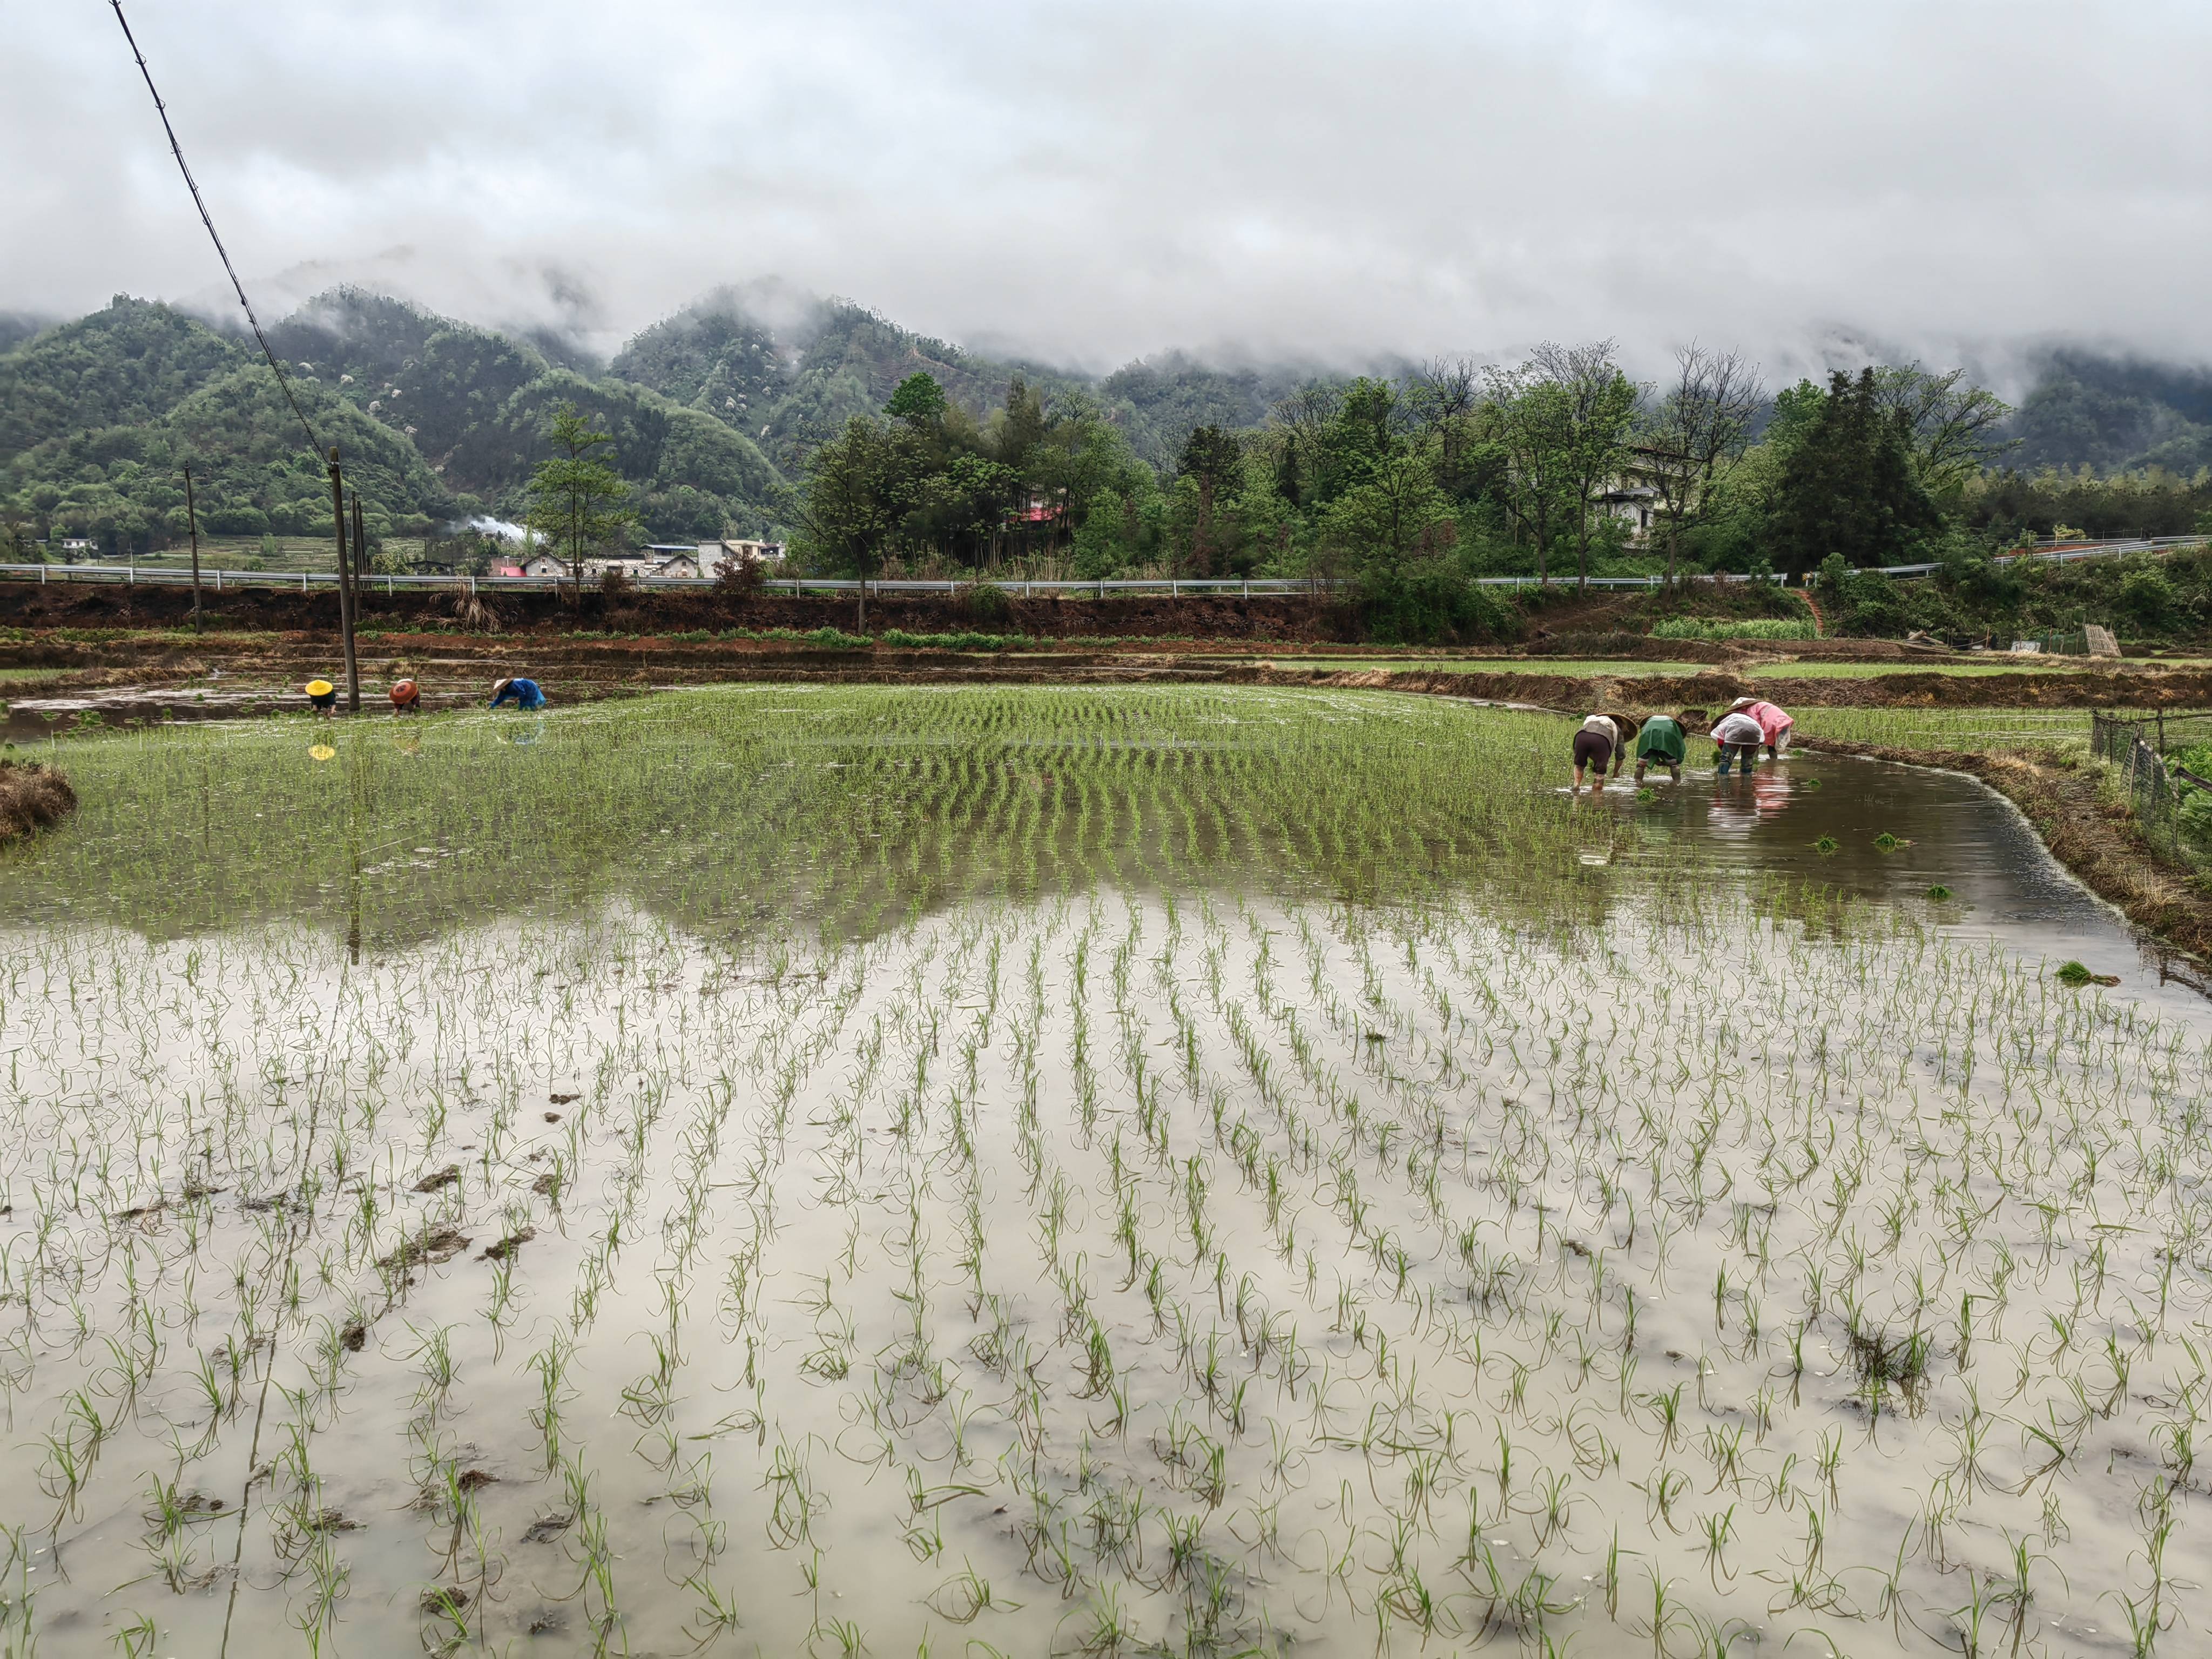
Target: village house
659	562
1632	494
1634	504
713	555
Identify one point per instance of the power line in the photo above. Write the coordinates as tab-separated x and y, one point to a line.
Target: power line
207	219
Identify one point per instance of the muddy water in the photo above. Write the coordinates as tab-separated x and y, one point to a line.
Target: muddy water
1163	1265
1950	829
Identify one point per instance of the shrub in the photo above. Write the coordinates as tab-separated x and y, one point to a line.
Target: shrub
961	642
1432	606
985	601
2149	598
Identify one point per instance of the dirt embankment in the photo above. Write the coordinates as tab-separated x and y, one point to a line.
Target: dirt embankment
1290	618
2095	838
31	796
2132	688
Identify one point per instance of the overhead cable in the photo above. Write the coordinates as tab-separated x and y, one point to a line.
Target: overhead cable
207	219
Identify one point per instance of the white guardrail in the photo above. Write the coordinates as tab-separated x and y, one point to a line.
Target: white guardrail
220	581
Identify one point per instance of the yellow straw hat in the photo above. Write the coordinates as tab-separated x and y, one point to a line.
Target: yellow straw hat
320	688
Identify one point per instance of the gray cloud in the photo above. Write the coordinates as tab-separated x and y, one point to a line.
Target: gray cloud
1084	183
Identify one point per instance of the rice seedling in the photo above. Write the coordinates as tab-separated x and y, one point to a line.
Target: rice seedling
1195	1166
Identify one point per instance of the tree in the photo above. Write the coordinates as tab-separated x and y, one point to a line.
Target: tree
918	400
1528	421
1303	419
1700	426
1213	466
1393	518
1954	426
859	488
578	503
1849	488
1596	403
1445	399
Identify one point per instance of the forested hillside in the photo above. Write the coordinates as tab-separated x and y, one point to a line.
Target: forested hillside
130	363
2115	414
791	388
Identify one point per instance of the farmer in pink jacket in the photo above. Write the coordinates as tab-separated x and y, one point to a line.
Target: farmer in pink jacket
1773	725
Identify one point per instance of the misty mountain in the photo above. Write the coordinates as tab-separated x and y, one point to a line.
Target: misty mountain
439	382
17	326
713	410
2115	414
1160	400
130	363
789	371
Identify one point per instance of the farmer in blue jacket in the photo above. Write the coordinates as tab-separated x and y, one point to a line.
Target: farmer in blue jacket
524	694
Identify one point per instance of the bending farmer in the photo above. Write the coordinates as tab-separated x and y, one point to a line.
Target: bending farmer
1596	743
406	698
1773	725
524	694
1738	736
1660	742
323	698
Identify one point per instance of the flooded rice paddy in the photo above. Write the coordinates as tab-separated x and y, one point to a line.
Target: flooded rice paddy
786	1171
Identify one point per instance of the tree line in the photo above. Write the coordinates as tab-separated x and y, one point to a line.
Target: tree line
1404	489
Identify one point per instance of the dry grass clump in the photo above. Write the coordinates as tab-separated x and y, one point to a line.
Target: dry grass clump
31	796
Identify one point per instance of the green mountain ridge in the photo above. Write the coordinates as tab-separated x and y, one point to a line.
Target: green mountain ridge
713	410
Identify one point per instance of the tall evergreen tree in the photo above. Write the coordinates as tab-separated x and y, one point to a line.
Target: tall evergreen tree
1849	487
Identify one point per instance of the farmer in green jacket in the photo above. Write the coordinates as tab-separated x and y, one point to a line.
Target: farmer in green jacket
1659	742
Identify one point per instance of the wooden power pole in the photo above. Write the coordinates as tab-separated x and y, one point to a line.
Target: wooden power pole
353	580
193	519
346	585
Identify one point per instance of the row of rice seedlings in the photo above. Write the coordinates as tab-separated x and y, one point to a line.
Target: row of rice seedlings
1352	1280
1971	730
844	811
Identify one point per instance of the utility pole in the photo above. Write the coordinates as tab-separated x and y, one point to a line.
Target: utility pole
360	562
346	585
193	519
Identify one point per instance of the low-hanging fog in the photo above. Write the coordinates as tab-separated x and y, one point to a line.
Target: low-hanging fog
1083	183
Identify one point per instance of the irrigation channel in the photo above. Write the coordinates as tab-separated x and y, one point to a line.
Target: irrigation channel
1025	1171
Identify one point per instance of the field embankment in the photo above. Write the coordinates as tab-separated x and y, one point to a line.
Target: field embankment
2133	688
1289	617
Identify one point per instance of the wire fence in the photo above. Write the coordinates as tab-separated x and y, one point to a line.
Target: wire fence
2158	785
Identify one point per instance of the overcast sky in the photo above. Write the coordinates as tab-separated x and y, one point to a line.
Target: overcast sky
1087	183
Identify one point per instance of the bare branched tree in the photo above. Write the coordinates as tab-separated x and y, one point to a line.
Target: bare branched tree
1443	396
1699	425
1955	425
1304	418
